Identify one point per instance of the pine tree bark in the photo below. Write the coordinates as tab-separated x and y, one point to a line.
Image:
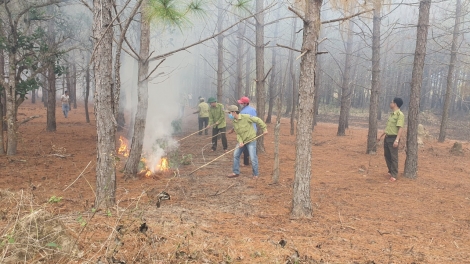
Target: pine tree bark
277	132
74	86
87	93
132	164
272	81
44	96
346	86
260	75
51	124
293	79
2	144
272	87
240	48
248	72
450	73
33	96
12	138
220	52
301	202
2	73
104	112
411	162
375	86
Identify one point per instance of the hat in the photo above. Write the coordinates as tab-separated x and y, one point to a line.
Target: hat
244	100
211	100
201	99
232	108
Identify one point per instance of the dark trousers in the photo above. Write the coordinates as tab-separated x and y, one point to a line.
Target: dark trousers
391	155
246	156
222	132
203	122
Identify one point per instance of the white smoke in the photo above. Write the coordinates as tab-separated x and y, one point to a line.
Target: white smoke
166	95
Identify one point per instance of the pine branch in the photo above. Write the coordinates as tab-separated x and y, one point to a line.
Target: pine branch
297	13
158	57
346	18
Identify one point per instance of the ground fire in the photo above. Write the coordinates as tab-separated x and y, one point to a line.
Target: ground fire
123	148
162	164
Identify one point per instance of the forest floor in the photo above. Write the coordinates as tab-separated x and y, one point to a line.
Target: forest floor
359	216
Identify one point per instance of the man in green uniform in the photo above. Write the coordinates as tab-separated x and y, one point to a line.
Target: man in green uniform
392	134
246	133
217	121
203	111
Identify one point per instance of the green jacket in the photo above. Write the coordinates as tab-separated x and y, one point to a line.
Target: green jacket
217	114
243	126
203	109
394	122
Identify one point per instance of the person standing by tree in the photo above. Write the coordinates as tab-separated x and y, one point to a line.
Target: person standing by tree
65	103
248	110
246	133
217	120
203	111
392	134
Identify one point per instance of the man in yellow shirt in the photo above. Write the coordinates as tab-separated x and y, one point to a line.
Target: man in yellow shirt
203	111
246	133
392	134
218	123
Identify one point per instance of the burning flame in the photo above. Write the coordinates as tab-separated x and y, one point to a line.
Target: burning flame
123	149
164	164
162	167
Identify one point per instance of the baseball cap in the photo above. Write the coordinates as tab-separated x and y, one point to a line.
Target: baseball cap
244	100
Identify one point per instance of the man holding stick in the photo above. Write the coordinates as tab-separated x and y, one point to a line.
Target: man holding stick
203	111
392	134
246	137
218	123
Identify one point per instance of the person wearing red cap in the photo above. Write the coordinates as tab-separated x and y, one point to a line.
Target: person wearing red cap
247	110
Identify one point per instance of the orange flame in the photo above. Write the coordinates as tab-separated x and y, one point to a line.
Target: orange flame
164	164
123	149
162	167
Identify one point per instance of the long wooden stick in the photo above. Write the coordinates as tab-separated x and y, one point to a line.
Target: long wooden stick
224	154
194	133
78	176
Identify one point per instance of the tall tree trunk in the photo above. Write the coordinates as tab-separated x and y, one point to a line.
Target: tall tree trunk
33	96
44	96
132	164
411	162
220	52
2	74
2	144
272	87
316	97
12	135
346	86
74	85
104	112
451	73
51	124
51	81
375	86
240	48
277	132
248	72
295	92
301	202
273	91
260	78
87	93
